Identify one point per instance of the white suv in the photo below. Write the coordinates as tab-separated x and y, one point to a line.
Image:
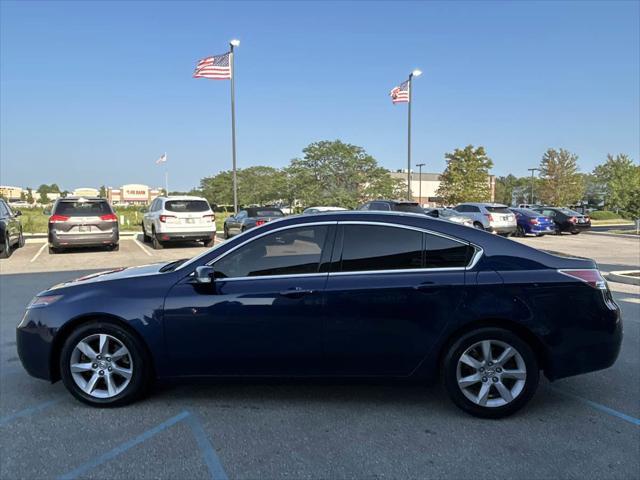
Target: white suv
493	217
182	218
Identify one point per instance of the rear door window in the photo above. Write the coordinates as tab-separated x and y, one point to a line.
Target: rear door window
373	247
408	207
82	208
187	206
446	253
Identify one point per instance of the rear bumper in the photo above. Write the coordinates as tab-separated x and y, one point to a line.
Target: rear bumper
83	239
537	229
502	229
186	236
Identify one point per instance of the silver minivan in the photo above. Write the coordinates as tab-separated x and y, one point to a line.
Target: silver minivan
492	217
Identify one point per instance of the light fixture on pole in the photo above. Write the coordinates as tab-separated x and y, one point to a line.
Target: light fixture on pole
233	43
420	165
415	73
532	170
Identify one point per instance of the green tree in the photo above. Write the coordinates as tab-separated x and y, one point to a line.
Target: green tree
30	198
512	190
466	178
619	178
44	189
103	192
218	189
561	183
337	173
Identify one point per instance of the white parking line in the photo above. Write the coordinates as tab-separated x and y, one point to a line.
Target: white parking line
142	247
44	245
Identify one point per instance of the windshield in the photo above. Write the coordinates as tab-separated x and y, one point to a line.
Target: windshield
408	207
82	208
187	206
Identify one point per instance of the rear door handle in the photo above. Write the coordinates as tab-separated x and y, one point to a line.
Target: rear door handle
295	292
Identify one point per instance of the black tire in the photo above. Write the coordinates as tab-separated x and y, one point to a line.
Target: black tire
450	365
209	242
575	232
226	233
478	225
6	249
54	250
21	240
142	372
114	248
145	238
155	243
520	232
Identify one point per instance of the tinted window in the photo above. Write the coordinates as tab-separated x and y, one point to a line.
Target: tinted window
528	213
82	208
289	252
379	206
265	212
3	210
187	206
370	247
569	212
498	209
444	253
408	207
365	207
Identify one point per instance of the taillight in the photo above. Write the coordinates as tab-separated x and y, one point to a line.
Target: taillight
591	277
573	219
168	218
534	221
209	218
58	218
489	216
260	222
109	217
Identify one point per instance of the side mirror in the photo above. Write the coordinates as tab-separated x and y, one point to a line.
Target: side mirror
17	213
203	274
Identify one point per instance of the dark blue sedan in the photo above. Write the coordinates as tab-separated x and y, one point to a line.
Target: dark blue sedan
348	294
531	222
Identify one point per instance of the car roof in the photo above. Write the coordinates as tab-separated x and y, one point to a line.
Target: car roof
182	197
484	204
393	201
77	198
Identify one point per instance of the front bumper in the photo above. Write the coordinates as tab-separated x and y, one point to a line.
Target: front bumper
34	343
83	239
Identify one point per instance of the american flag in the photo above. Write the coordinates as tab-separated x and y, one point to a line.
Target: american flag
162	159
400	94
215	68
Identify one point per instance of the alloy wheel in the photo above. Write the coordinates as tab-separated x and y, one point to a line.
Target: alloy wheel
491	373
101	365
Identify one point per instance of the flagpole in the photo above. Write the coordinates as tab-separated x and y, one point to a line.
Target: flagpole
232	44
409	140
166	175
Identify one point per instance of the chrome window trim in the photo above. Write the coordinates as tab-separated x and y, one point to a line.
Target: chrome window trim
474	260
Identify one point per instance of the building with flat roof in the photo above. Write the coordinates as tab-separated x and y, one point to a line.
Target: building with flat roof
424	187
132	194
11	193
86	192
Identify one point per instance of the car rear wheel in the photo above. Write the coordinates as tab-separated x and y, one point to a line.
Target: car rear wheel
575	233
6	249
145	238
209	242
104	365
478	225
520	231
155	243
115	247
226	233
490	372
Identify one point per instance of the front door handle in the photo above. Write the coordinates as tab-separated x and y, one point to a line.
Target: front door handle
295	292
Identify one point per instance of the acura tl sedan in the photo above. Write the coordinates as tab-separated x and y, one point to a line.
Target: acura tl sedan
340	294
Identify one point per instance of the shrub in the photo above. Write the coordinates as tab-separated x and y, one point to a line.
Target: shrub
604	215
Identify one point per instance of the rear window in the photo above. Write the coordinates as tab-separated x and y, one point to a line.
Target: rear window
82	208
266	212
498	209
528	213
568	211
408	207
187	206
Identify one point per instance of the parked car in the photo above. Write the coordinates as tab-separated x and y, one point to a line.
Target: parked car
531	222
82	222
393	206
566	220
329	295
11	236
322	210
493	217
181	218
249	218
449	214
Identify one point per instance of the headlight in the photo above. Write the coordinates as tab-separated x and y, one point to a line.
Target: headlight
44	301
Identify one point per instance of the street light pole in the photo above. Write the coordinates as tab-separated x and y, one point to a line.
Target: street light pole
233	43
415	73
532	170
420	165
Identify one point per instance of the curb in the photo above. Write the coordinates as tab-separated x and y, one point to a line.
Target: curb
622	276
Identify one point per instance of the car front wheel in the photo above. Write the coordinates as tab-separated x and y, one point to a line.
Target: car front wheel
104	365
6	249
490	372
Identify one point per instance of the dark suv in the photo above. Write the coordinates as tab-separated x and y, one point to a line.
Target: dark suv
393	206
82	222
10	230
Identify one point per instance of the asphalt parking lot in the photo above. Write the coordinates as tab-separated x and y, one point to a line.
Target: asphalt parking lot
581	427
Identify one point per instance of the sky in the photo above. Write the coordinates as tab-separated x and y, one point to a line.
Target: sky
92	93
